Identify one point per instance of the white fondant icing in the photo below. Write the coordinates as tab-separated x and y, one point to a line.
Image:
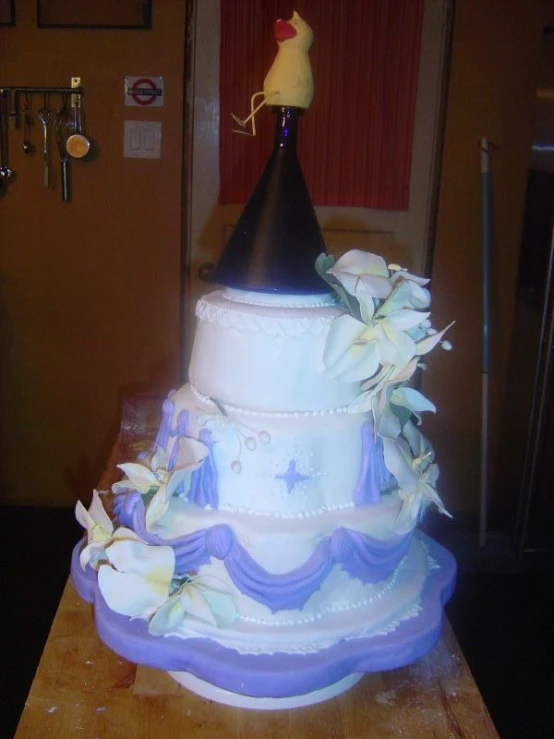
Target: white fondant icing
249	297
275	320
379	591
313	442
282	544
233	409
265	358
286	459
343	608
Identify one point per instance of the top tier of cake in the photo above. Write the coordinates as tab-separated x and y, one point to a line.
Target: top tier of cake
264	352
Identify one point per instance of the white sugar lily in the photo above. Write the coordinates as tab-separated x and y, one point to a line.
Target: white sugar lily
405	302
386	334
136	580
410	460
354	350
389	376
386	387
365	276
100	531
158	479
412	400
420	297
200	598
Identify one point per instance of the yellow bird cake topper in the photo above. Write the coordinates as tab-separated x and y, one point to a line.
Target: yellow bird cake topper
289	81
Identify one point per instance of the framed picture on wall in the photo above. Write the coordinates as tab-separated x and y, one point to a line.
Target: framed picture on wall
7	12
97	14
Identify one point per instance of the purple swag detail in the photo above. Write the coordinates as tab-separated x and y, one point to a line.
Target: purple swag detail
162	439
203	485
181	429
162	436
382	477
363	557
279	674
374	476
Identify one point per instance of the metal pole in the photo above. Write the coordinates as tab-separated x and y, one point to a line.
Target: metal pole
485	345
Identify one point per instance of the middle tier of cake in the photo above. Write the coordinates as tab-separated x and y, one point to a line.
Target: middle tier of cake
283	465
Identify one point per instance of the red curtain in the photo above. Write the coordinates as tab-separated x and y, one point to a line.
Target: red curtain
355	141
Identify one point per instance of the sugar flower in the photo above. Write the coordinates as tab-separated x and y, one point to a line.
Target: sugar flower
367	278
356	348
376	392
364	276
420	297
138	580
200	598
135	581
411	461
163	476
378	339
100	531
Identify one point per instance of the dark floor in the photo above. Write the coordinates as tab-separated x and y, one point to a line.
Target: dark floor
500	612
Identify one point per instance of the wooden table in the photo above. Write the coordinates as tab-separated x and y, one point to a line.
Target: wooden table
83	690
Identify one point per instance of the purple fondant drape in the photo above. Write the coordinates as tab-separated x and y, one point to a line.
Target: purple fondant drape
363	557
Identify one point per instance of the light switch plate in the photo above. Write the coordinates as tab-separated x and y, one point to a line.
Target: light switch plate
142	139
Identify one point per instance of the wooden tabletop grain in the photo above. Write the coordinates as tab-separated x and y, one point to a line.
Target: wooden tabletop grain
82	690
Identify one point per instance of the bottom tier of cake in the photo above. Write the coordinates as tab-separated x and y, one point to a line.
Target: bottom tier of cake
279	679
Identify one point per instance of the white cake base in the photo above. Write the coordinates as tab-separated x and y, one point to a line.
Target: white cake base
213	693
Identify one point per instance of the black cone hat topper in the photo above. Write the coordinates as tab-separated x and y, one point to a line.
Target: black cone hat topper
277	239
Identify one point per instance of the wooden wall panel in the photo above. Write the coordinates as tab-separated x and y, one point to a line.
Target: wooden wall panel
495	58
89	292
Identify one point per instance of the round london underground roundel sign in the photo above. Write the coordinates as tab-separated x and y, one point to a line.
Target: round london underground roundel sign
144	91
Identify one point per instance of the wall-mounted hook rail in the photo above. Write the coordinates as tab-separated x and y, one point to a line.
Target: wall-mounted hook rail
72	143
15	92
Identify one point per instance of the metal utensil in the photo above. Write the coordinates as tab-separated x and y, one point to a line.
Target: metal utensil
5	170
45	116
28	146
63	126
2	144
77	145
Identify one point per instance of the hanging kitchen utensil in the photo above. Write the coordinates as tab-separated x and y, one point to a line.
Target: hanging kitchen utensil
63	126
45	116
28	146
5	170
2	147
77	145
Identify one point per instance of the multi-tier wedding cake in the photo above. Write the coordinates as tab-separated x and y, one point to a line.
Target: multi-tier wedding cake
265	551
